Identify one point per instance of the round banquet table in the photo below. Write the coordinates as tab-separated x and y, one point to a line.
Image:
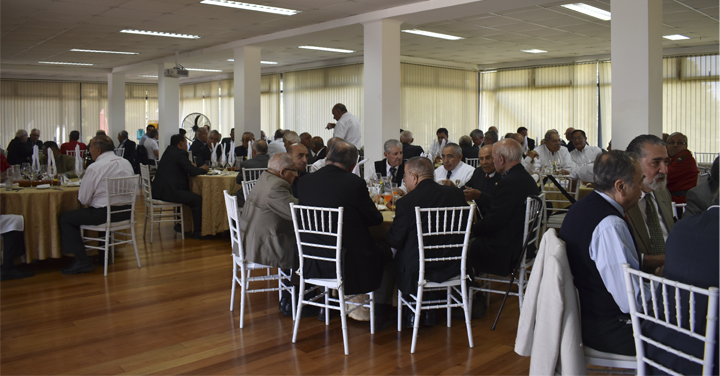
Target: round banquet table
584	191
41	209
211	187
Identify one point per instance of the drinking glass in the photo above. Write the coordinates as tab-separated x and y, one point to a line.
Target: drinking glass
8	178
16	172
26	169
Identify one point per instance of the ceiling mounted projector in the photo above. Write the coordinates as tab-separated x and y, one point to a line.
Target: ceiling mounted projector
177	71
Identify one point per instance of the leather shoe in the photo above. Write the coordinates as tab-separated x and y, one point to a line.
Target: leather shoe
286	306
15	274
177	227
429	318
79	267
321	314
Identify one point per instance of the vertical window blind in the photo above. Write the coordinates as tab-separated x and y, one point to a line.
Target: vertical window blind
94	109
269	104
141	106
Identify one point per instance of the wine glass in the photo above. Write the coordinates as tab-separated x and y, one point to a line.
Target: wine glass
26	169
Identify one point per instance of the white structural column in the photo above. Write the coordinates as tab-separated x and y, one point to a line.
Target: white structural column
247	92
636	32
169	107
116	104
382	116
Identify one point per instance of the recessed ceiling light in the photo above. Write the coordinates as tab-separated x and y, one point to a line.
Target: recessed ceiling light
431	34
159	34
104	52
675	37
534	51
62	63
203	70
147	76
261	62
589	10
326	49
255	7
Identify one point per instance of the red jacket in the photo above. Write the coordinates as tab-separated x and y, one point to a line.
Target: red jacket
682	175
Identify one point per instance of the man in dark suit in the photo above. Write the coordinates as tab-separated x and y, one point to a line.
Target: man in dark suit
259	160
468	150
306	139
241	151
409	150
227	140
392	165
34	139
299	154
129	150
199	148
530	142
171	180
18	151
333	186
482	185
318	148
424	192
498	241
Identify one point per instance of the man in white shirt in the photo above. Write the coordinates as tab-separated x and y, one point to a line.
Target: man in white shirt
550	154
437	146
453	170
151	145
392	165
347	127
583	156
145	136
320	163
93	193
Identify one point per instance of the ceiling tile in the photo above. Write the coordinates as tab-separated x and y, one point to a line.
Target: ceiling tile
152	6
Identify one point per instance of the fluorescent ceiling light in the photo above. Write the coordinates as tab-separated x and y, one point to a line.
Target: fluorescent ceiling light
203	70
589	10
104	52
159	34
261	62
147	76
675	37
534	51
62	63
431	34
255	7
326	49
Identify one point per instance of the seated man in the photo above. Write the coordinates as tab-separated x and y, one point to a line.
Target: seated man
12	230
299	155
227	140
491	137
392	165
700	197
93	193
583	156
306	139
598	242
363	260
682	168
436	149
151	146
199	149
266	222
18	151
453	170
478	137
528	143
145	136
241	151
34	139
651	219
568	135
320	163
171	181
409	150
70	146
277	145
549	154
482	185
214	141
129	149
468	150
259	160
425	193
318	149
498	236
65	164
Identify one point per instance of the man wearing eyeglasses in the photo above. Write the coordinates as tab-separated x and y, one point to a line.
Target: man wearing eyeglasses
299	155
682	168
549	154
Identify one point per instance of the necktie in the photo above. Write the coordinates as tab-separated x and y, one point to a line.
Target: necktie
392	173
448	175
653	222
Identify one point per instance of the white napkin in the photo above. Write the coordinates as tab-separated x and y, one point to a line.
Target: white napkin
43	186
231	154
223	156
78	161
36	158
52	169
249	156
442	146
213	156
356	170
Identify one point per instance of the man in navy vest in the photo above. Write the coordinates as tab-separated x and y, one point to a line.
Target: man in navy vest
392	165
599	241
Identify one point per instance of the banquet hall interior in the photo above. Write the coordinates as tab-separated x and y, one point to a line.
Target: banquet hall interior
417	65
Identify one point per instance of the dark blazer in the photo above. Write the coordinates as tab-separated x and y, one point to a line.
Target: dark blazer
241	151
226	141
691	256
200	152
130	153
172	174
531	144
471	152
18	152
486	186
321	155
30	144
498	235
310	158
410	151
260	161
638	226
381	168
403	236
363	260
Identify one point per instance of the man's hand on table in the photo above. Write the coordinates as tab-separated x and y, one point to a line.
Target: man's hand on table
471	193
205	167
532	154
447	182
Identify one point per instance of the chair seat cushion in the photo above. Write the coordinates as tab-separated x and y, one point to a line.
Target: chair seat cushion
113	226
161	202
589	351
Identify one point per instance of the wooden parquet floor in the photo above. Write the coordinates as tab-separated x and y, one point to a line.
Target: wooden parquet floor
172	317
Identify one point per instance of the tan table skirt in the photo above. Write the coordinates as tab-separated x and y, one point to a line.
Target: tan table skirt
214	215
41	209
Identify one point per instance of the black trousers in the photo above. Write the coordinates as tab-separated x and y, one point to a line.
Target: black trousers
613	335
191	200
13	247
71	221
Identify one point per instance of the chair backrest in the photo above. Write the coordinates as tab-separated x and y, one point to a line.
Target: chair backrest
472	161
142	155
318	221
435	224
252	173
72	153
247	186
146	184
534	208
121	192
234	224
190	156
677	208
120	152
671	305
553	194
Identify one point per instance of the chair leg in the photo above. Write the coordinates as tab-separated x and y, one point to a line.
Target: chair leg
416	326
152	219
134	241
107	239
399	313
448	309
327	307
294	302
146	218
372	312
466	307
234	282
298	313
243	294
343	318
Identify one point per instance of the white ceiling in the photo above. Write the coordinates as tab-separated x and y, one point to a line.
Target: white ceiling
494	30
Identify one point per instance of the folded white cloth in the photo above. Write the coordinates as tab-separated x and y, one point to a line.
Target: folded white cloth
213	155
223	156
356	170
52	169
11	222
78	161
43	186
231	154
36	158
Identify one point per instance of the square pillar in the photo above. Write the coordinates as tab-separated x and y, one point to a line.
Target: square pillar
116	104
382	104
636	54
247	92
169	107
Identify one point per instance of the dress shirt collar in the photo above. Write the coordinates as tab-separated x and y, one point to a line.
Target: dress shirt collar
457	168
612	202
490	175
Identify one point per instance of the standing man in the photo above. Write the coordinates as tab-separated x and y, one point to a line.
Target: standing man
34	139
682	168
171	181
651	220
18	151
483	183
453	168
128	147
409	150
93	193
347	127
392	165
